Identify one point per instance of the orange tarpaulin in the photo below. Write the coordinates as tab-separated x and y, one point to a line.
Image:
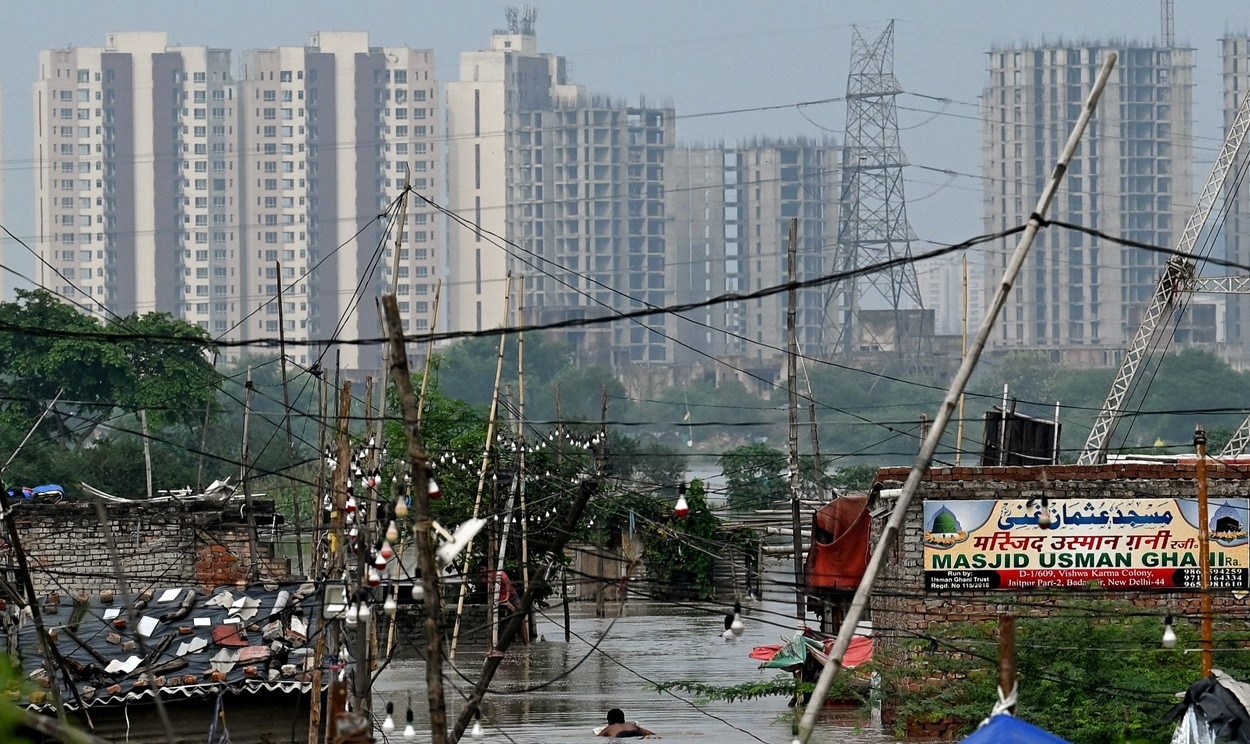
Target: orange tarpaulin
841	537
857	654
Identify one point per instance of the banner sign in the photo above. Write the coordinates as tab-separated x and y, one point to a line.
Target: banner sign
1149	543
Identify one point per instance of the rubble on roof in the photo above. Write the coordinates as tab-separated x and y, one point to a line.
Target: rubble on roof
176	639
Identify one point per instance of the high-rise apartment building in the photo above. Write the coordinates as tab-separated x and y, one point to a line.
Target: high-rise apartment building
564	188
134	185
165	183
1235	54
1079	297
330	133
731	210
483	135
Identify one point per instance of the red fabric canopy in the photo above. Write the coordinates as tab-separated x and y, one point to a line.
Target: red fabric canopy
841	537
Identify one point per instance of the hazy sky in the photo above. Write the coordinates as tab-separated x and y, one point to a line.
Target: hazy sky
703	55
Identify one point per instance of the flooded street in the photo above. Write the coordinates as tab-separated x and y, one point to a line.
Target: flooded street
578	682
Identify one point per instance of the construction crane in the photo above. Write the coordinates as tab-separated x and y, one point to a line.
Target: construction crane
1172	292
1167	24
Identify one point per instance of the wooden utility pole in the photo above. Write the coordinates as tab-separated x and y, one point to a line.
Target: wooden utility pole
564	573
425	379
1007	658
792	354
337	561
365	511
963	349
317	572
147	449
601	583
253	567
286	416
1204	551
208	410
423	523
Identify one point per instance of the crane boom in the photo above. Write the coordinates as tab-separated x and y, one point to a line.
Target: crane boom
1170	293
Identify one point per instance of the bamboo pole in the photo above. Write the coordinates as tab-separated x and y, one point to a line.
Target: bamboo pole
1204	552
520	362
792	355
892	528
481	476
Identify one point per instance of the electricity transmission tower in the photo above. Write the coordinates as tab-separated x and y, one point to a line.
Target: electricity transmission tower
872	219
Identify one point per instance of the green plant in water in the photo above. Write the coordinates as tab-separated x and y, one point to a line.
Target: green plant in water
1094	673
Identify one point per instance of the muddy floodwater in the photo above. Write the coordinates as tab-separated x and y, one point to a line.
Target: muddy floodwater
552	691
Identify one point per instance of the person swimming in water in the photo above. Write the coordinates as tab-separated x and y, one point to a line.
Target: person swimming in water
619	728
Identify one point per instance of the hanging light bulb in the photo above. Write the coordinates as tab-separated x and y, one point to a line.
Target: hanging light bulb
379	562
1169	635
365	612
409	731
401	507
390	606
736	627
1043	518
352	615
477	732
418	592
682	509
392	531
386	551
373	578
351	504
388	726
435	491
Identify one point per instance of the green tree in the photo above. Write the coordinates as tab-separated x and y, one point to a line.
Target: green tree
48	347
467	368
855	477
753	476
679	550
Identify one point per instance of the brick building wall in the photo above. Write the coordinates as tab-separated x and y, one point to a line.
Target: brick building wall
902	606
164	545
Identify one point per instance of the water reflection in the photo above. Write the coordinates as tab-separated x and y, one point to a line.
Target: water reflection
551	691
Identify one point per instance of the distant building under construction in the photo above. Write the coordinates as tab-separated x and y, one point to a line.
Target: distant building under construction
1079	297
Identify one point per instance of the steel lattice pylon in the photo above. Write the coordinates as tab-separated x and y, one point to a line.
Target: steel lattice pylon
872	219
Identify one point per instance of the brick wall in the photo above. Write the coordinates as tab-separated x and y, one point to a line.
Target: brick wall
160	546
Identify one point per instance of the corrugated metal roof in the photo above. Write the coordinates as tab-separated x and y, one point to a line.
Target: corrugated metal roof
189	645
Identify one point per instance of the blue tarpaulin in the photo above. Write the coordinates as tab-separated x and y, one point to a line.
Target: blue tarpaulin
1005	729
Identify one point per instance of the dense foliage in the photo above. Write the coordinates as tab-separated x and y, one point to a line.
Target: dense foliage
1094	673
